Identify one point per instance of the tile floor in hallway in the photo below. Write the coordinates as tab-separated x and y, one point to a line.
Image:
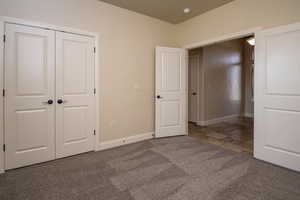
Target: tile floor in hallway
236	135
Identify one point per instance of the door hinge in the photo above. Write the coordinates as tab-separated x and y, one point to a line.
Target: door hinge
94	90
3	92
4	147
94	49
4	38
94	132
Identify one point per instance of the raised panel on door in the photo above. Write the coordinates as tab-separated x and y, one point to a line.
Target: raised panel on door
278	139
170	92
29	82
170	113
277	96
283	57
75	120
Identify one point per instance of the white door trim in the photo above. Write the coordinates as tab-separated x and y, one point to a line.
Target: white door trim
223	38
95	35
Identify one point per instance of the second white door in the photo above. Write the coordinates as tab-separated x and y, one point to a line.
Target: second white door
170	105
74	94
193	88
277	96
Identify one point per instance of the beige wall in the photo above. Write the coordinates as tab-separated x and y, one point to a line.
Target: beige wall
237	16
127	44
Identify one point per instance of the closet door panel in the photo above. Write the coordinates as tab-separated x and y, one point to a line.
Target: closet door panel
29	82
75	94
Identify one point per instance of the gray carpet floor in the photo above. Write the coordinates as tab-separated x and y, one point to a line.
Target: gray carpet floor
178	168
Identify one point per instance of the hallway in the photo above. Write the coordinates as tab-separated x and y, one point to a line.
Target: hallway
236	135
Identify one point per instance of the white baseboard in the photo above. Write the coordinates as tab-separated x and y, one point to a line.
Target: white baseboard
119	142
217	120
123	141
249	115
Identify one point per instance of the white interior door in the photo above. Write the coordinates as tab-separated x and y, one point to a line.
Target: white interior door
1	98
29	83
193	88
75	110
171	91
277	96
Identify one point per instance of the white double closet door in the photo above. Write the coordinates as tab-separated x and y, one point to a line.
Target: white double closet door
49	102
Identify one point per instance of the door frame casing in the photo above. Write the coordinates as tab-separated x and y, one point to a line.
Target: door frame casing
223	38
3	21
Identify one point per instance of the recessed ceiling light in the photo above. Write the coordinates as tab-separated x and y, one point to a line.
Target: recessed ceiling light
186	10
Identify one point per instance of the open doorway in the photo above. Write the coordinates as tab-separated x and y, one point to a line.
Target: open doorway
220	100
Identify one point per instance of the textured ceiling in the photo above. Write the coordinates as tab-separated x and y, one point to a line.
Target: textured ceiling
169	10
